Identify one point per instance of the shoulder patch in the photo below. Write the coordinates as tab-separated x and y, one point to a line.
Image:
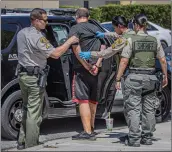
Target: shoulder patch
126	42
43	40
48	45
118	42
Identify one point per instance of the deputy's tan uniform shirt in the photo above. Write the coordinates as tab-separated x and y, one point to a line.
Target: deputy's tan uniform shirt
33	48
116	47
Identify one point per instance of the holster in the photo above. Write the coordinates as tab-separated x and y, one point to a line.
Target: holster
42	77
158	85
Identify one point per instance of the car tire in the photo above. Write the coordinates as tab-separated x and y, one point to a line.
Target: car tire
163	112
10	108
164	44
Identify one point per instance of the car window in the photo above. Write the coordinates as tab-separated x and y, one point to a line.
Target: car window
131	25
150	28
108	26
7	33
60	33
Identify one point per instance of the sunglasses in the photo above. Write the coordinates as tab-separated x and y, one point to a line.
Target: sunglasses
44	20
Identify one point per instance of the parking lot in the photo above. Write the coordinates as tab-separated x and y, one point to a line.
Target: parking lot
57	135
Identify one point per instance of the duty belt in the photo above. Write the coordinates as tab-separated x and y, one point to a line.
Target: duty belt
31	70
137	71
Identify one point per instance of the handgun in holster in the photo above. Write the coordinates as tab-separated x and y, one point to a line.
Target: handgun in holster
18	70
42	77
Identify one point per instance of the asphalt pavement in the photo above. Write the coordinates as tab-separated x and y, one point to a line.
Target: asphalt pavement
65	128
108	141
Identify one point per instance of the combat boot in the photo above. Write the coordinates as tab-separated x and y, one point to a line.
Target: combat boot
20	146
145	141
125	140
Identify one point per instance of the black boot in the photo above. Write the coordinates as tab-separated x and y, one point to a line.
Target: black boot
125	140
20	146
145	141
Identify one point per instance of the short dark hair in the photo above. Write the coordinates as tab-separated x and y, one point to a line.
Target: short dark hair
119	20
82	12
140	19
36	13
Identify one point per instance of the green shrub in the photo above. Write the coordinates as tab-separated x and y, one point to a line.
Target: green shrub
158	14
69	6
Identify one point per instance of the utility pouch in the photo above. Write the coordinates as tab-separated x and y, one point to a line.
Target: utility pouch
42	77
30	70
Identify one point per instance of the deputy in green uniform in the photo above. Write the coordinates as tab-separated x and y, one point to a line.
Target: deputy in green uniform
33	51
122	33
140	56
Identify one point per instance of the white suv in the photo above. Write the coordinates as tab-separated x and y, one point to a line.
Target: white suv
164	35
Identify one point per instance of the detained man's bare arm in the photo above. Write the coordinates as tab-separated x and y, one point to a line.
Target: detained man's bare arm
76	50
99	61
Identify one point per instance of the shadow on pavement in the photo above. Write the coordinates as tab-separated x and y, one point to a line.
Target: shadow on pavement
74	124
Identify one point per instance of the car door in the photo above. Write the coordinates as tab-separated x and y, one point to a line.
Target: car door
9	58
106	89
60	74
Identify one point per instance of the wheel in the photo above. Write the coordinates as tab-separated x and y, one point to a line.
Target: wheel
11	115
162	113
164	44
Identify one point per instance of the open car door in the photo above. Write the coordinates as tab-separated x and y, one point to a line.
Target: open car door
106	78
60	75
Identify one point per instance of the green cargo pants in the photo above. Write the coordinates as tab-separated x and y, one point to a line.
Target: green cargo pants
32	96
136	106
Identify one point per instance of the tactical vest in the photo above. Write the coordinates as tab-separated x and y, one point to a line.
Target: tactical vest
144	50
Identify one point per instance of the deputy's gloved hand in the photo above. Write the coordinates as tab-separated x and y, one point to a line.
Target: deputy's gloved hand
100	34
85	55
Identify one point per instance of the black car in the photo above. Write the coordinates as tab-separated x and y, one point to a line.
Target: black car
57	101
58	94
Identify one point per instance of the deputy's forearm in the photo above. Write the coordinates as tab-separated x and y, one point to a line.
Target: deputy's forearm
111	34
59	51
122	67
107	53
163	63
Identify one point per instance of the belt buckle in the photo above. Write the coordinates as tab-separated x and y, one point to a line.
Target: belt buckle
30	73
30	70
137	71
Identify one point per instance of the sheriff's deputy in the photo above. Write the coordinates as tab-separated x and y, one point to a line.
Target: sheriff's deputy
33	51
140	84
